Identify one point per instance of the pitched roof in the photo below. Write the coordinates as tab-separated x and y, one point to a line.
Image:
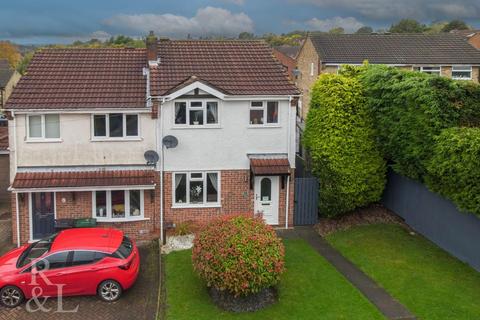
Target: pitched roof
82	78
465	33
77	179
290	51
395	48
232	66
6	73
270	166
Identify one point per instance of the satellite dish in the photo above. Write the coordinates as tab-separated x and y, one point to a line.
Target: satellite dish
151	157
170	142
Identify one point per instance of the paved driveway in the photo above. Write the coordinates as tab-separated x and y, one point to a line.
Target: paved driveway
140	302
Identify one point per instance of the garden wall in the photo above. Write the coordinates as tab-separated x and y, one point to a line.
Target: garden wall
435	218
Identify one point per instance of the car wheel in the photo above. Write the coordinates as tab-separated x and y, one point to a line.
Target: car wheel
11	296
109	290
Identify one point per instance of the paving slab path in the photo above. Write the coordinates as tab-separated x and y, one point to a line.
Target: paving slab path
390	307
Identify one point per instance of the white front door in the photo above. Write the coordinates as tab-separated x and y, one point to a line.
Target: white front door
266	198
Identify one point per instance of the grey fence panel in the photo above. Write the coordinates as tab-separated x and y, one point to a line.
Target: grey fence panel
306	201
435	217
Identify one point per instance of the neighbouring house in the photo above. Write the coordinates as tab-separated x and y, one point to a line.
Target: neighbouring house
472	36
443	54
4	165
287	56
8	79
220	115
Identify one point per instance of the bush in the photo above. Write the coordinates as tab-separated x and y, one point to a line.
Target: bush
454	169
410	109
239	254
341	142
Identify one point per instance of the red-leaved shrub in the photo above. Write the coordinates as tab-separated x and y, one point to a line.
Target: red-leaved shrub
239	254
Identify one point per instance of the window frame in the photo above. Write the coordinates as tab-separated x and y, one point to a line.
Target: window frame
264	107
107	137
204	204
188	107
42	138
430	71
465	67
128	216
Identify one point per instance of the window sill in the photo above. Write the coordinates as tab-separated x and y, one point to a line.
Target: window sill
100	220
196	206
263	126
464	79
194	127
116	139
44	140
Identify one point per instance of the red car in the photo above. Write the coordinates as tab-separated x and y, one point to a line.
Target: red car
90	261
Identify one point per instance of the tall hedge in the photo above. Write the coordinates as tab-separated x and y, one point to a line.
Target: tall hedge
341	143
454	168
409	110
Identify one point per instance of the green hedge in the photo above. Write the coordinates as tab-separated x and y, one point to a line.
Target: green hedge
454	168
409	110
341	143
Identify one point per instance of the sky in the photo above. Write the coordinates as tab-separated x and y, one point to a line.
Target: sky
64	21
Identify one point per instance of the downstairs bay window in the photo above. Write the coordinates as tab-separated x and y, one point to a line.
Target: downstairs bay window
196	189
117	205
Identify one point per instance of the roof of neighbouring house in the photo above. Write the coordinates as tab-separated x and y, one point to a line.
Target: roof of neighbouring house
290	51
79	179
465	33
82	78
396	49
6	72
233	67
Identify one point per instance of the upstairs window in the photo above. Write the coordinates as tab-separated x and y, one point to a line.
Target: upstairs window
43	127
196	113
115	125
462	72
264	113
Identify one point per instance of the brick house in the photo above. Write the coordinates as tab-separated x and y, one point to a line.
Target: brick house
4	165
82	120
443	54
472	36
287	56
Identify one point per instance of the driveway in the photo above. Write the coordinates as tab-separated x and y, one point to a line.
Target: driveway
140	302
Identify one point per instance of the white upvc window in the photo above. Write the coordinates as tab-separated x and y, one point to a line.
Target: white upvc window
43	127
118	205
264	113
196	113
199	188
431	70
312	69
114	126
462	72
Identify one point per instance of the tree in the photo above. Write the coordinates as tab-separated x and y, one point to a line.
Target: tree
455	25
10	52
246	36
340	140
23	64
364	30
407	26
337	30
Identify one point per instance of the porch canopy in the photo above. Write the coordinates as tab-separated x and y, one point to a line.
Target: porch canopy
83	180
269	166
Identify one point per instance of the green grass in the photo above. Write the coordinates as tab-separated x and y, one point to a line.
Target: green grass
427	280
310	289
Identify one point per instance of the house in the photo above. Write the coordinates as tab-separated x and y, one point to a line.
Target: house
442	54
220	115
287	56
472	36
8	79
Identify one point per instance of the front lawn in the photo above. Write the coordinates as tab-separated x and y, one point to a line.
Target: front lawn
310	289
427	280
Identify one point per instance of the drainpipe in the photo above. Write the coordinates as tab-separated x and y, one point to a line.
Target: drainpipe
18	220
162	169
287	202
287	197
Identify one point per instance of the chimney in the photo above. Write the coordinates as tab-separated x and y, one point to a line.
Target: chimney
152	52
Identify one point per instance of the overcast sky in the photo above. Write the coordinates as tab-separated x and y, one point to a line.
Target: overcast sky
54	21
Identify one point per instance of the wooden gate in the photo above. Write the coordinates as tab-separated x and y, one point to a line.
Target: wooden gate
306	201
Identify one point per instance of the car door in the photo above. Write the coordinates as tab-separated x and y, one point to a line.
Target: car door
84	272
49	276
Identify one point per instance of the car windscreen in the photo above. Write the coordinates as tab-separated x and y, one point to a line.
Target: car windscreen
35	250
125	249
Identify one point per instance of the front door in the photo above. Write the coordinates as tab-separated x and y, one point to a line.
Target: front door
266	198
43	214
